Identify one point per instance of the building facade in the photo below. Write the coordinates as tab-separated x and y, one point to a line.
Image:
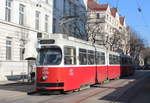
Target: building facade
111	32
22	22
66	17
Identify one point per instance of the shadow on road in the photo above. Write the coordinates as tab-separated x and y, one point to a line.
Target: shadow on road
128	93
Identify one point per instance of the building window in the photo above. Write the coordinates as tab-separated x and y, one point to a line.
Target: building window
46	23
8	10
75	10
54	25
65	7
98	16
21	53
54	3
37	20
21	14
70	8
8	48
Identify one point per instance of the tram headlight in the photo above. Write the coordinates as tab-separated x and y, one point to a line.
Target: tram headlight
44	78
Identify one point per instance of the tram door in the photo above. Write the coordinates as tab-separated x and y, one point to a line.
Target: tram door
101	66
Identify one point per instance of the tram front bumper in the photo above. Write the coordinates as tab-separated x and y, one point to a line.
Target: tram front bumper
52	86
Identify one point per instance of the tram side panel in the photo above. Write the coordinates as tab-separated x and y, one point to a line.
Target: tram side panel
69	76
79	76
101	73
127	66
124	70
114	66
113	72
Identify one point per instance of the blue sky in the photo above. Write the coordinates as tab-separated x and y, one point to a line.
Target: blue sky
139	21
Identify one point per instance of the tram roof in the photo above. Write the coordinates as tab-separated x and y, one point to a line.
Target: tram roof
59	38
64	39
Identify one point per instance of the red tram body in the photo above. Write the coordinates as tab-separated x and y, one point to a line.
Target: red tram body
66	63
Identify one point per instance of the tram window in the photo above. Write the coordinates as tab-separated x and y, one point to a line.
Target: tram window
49	56
117	60
82	57
100	58
114	59
111	59
123	60
126	60
130	61
69	56
91	57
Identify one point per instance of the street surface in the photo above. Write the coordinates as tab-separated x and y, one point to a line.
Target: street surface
133	89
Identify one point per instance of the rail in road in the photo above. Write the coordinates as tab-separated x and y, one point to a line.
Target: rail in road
106	93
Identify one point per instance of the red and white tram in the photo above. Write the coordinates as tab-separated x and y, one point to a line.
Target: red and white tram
65	63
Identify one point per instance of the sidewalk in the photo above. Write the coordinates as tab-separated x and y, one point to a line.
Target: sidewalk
7	82
11	89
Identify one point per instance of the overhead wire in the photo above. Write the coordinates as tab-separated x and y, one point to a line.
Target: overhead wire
140	10
142	15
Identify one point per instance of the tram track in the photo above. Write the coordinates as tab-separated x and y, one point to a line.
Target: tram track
136	83
99	92
81	96
115	86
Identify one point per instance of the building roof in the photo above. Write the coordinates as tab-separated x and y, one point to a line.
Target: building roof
113	11
93	5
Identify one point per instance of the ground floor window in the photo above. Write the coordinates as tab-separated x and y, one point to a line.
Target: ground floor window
8	48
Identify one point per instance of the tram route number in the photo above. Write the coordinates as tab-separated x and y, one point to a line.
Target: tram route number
45	71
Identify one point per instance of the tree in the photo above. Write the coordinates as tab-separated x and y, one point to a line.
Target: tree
136	45
81	26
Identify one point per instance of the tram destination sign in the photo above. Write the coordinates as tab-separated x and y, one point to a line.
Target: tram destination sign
49	41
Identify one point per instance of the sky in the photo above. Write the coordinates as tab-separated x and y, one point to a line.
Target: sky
139	21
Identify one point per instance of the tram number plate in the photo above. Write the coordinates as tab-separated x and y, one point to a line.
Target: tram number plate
45	71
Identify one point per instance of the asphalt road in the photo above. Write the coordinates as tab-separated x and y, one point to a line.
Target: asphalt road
133	89
139	94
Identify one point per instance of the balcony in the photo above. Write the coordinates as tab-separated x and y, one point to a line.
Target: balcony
94	20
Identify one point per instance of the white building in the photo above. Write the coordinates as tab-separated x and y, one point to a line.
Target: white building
108	23
22	22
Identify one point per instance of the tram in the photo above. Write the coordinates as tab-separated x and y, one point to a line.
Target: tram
66	63
127	65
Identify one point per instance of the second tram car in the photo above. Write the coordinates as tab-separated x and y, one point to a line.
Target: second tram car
65	63
127	65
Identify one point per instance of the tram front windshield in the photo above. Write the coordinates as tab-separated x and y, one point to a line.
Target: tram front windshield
49	56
